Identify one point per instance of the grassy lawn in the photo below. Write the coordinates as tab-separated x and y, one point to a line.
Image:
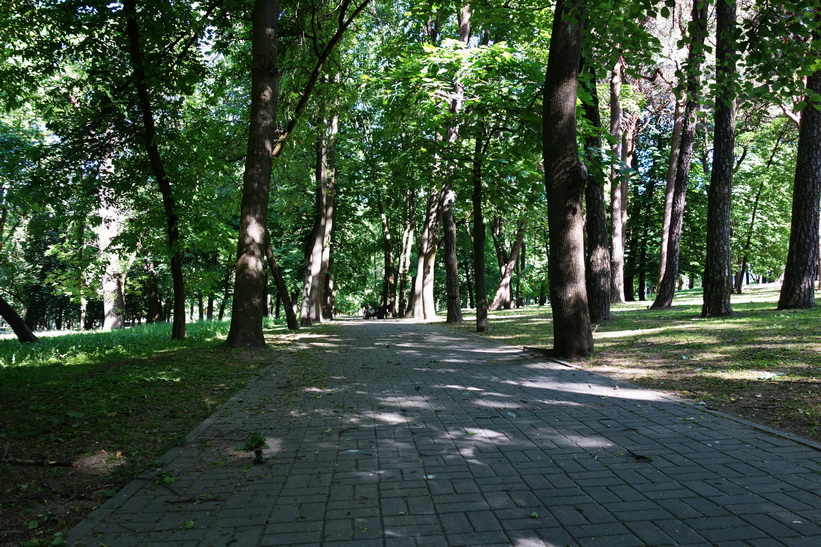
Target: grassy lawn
82	414
761	364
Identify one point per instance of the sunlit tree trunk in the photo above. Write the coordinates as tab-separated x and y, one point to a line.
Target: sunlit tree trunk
423	302
564	185
408	216
249	306
617	190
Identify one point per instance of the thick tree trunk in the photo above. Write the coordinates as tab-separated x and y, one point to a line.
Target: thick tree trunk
249	305
564	184
479	238
503	299
798	289
718	269
597	256
158	169
20	328
454	300
667	287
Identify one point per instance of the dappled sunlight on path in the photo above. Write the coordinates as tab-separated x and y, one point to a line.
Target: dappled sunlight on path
389	432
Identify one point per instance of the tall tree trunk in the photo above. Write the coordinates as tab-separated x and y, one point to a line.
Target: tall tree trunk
564	185
423	303
798	289
718	268
249	306
503	299
389	285
454	300
479	237
266	142
158	169
597	257
408	216
17	324
314	284
617	189
282	288
113	279
667	287
675	149
326	301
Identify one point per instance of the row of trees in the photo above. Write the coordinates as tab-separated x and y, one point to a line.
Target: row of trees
392	148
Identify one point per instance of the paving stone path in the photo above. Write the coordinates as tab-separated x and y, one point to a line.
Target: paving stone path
413	434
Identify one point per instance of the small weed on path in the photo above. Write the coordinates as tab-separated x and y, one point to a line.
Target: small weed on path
761	364
84	413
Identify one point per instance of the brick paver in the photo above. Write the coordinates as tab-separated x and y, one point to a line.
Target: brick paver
417	435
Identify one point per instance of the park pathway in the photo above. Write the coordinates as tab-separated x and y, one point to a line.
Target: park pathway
397	433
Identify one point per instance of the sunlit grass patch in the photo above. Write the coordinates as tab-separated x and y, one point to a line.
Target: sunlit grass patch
761	363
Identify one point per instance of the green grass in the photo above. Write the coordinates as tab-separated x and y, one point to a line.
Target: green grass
762	364
111	404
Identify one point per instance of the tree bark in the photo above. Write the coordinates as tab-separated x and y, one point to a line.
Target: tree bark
266	142
408	216
503	299
454	300
597	257
389	284
423	303
718	277
564	184
158	168
675	149
617	190
798	291
479	238
249	306
667	287
17	324
279	281
313	287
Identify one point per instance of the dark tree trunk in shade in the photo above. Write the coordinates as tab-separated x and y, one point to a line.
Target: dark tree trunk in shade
503	299
17	324
479	237
718	277
597	255
454	300
389	283
798	289
282	288
667	287
249	306
158	169
564	185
